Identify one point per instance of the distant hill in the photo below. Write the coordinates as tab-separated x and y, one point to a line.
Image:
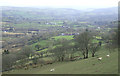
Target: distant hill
16	13
112	10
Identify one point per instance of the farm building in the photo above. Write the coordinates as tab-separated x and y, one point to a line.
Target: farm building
33	31
63	34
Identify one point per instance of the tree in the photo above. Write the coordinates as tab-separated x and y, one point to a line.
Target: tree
80	47
8	61
6	51
35	60
83	40
38	46
115	41
27	51
71	50
109	46
61	49
94	47
58	53
111	40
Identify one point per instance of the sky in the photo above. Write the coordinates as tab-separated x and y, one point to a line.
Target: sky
61	3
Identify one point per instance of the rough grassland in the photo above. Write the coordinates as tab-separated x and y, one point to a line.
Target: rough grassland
85	66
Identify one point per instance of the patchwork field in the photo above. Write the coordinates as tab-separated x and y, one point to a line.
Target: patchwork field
70	41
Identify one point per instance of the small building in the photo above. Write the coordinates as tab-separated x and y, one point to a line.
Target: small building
98	27
8	29
33	31
63	34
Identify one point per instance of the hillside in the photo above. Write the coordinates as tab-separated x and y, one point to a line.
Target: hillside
36	40
108	65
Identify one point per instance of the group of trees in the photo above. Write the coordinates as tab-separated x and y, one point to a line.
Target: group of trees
81	43
85	45
10	58
112	41
64	49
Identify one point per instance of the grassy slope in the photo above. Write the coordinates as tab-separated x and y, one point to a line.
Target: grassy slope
107	65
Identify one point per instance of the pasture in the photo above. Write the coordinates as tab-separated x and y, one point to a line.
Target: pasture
65	37
108	65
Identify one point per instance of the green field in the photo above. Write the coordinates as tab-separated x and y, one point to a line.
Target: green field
42	43
65	37
28	25
45	43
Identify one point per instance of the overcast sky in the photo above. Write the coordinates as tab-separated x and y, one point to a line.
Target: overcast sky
61	3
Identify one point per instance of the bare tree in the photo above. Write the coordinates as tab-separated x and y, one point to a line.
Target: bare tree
27	51
8	61
111	40
94	47
83	40
61	50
